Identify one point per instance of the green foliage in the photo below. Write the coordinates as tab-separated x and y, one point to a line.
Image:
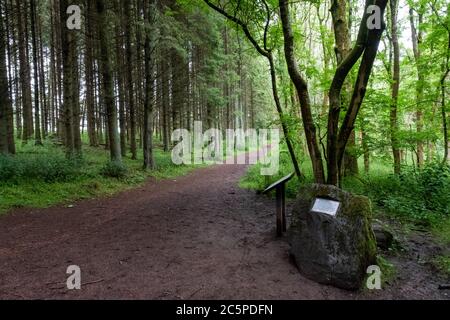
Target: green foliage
39	177
47	164
442	263
418	195
114	169
442	231
388	270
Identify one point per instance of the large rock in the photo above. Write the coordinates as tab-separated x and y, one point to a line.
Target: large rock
334	250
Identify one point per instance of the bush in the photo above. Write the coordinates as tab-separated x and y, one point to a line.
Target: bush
44	167
434	182
9	169
114	169
420	195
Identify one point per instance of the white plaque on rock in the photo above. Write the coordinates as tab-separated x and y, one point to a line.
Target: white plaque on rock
326	206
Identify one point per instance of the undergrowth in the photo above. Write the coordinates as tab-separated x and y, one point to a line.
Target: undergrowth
41	176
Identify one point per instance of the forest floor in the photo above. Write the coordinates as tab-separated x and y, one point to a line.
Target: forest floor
197	237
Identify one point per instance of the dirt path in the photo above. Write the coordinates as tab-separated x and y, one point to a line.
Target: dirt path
197	237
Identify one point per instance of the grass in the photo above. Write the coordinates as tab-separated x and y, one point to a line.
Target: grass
40	177
388	271
442	231
442	263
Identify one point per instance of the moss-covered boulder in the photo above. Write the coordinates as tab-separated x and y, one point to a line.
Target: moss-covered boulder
334	250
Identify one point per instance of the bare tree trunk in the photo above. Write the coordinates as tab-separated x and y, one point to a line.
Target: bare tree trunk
25	77
67	43
165	101
44	102
149	162
395	86
10	114
416	37
442	89
90	77
37	123
5	101
105	68
120	75
76	98
130	84
365	147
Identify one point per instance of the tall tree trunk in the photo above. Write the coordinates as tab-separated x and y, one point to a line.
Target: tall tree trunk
76	97
444	105
416	36
178	83
130	85
89	75
17	93
365	147
53	77
11	76
165	100
395	87
37	123
108	86
5	100
44	102
67	44
443	88
149	162
25	77
120	76
341	24
140	71
59	72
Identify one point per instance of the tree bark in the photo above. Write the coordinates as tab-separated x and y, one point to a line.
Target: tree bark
395	88
89	75
25	77
108	87
416	36
130	84
149	162
42	84
341	25
5	100
67	44
37	123
120	76
165	100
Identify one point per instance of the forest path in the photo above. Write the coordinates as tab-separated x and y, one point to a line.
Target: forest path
196	237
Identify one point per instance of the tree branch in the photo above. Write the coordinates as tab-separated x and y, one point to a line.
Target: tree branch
242	24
